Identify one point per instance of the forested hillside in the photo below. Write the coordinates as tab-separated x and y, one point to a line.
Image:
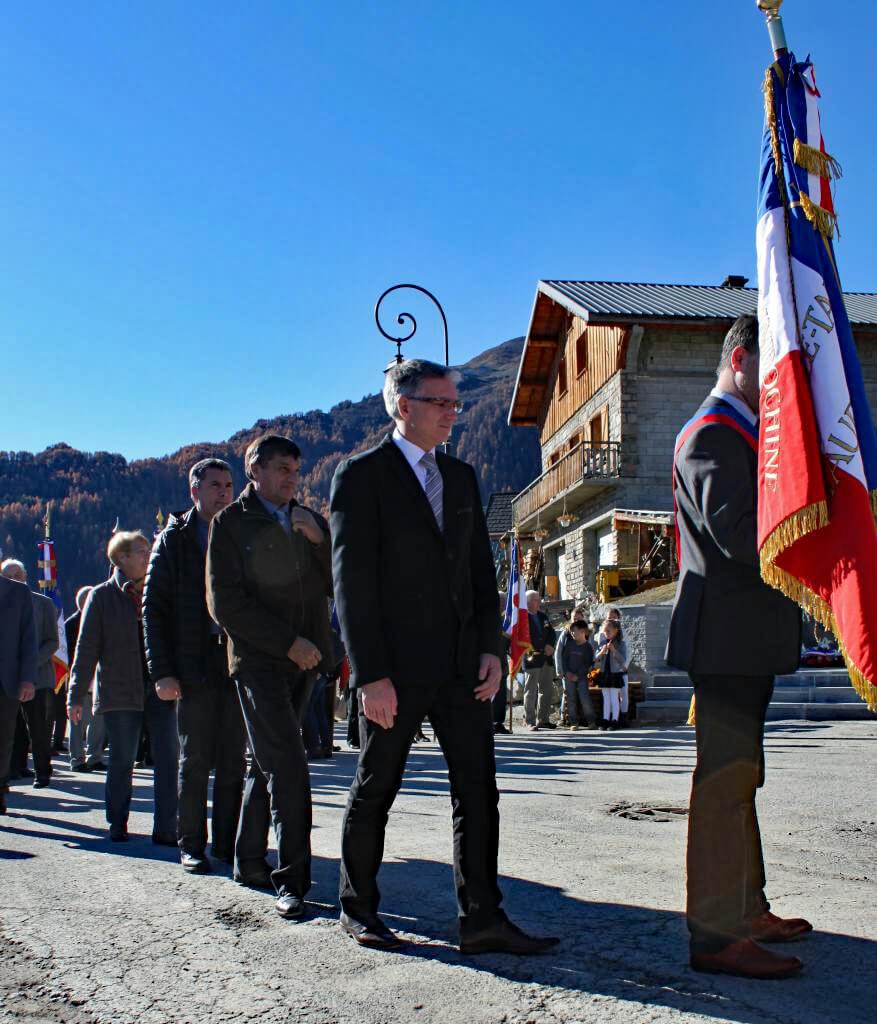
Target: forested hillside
90	491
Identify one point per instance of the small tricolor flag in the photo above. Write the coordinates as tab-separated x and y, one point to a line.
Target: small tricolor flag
48	582
817	467
516	621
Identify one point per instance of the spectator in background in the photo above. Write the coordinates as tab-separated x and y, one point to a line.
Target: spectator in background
539	667
87	737
268	577
613	614
18	667
188	664
577	660
111	645
579	614
612	659
36	712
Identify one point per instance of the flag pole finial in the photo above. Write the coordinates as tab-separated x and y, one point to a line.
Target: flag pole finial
771	11
47	520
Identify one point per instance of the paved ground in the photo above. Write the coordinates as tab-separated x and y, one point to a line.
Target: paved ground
92	932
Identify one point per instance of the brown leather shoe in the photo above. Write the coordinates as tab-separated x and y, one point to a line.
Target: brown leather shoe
770	928
746	959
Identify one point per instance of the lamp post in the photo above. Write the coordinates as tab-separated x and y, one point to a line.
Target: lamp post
403	319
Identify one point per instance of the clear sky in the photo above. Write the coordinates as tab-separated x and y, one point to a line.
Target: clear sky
200	203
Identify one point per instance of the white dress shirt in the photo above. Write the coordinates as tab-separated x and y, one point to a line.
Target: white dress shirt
413	454
735	403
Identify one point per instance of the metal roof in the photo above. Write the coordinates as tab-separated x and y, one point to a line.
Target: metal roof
592	299
498	513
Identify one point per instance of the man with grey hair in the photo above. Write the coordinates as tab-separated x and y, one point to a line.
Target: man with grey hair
36	711
18	667
539	667
416	596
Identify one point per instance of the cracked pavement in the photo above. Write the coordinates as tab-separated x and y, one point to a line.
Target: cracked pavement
97	933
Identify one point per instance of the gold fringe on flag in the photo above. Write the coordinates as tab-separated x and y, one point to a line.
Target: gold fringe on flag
812	518
691	715
874	505
814	161
821	219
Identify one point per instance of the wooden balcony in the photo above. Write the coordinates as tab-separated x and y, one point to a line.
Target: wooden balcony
584	471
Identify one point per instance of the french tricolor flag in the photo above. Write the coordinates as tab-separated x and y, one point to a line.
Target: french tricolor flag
516	621
817	462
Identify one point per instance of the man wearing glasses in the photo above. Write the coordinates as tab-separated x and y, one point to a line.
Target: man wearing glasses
416	596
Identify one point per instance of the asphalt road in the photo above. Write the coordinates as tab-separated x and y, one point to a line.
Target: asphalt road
593	830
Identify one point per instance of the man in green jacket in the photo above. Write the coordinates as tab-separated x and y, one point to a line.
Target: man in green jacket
268	577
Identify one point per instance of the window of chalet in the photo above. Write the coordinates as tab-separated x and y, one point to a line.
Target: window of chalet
581	353
575	441
561	377
554	457
598	428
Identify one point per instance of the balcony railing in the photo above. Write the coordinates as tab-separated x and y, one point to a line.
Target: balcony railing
594	462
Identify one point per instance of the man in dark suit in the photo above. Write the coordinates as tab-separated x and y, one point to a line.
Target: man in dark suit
18	667
268	578
732	633
416	595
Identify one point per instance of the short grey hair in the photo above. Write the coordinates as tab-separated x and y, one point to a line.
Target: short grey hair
12	563
403	379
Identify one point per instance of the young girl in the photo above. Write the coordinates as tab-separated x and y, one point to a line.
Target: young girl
624	697
612	659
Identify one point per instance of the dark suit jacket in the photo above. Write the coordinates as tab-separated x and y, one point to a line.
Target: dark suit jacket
265	588
46	619
18	637
726	619
415	604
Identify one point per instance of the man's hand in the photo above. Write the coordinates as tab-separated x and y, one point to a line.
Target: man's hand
74	713
549	650
305	654
490	675
306	524
26	692
168	688
379	702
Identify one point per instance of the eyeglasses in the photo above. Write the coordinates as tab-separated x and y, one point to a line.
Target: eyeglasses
445	404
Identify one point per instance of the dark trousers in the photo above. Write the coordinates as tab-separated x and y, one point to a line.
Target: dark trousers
353	717
9	712
278	783
725	884
58	718
212	735
123	730
35	716
316	730
464	728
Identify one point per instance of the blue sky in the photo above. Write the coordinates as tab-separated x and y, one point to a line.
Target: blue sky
200	203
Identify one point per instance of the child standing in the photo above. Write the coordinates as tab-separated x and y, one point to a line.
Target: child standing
612	659
578	658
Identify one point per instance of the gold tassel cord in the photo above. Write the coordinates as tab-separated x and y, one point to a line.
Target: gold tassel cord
823	220
770	115
814	161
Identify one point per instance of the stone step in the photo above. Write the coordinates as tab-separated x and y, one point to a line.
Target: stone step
651	712
803	679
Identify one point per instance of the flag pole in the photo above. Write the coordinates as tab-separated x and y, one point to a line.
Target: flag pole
771	10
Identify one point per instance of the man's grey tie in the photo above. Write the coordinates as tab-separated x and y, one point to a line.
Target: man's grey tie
282	518
433	487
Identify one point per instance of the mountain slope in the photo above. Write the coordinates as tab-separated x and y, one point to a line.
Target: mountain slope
90	491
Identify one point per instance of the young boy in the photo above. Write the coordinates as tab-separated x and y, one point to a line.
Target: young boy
578	659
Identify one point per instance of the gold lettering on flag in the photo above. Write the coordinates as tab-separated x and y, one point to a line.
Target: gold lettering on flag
770	427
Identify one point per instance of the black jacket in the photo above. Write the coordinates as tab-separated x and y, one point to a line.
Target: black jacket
176	623
415	604
265	588
726	619
542	635
18	637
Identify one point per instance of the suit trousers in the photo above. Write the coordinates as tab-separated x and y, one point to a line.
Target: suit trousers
725	883
464	728
278	785
58	718
35	716
9	712
538	682
212	735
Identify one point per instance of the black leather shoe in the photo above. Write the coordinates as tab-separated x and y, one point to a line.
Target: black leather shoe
98	766
225	856
84	768
500	730
290	907
254	877
119	833
374	935
24	773
504	937
195	863
164	839
547	725
39	783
